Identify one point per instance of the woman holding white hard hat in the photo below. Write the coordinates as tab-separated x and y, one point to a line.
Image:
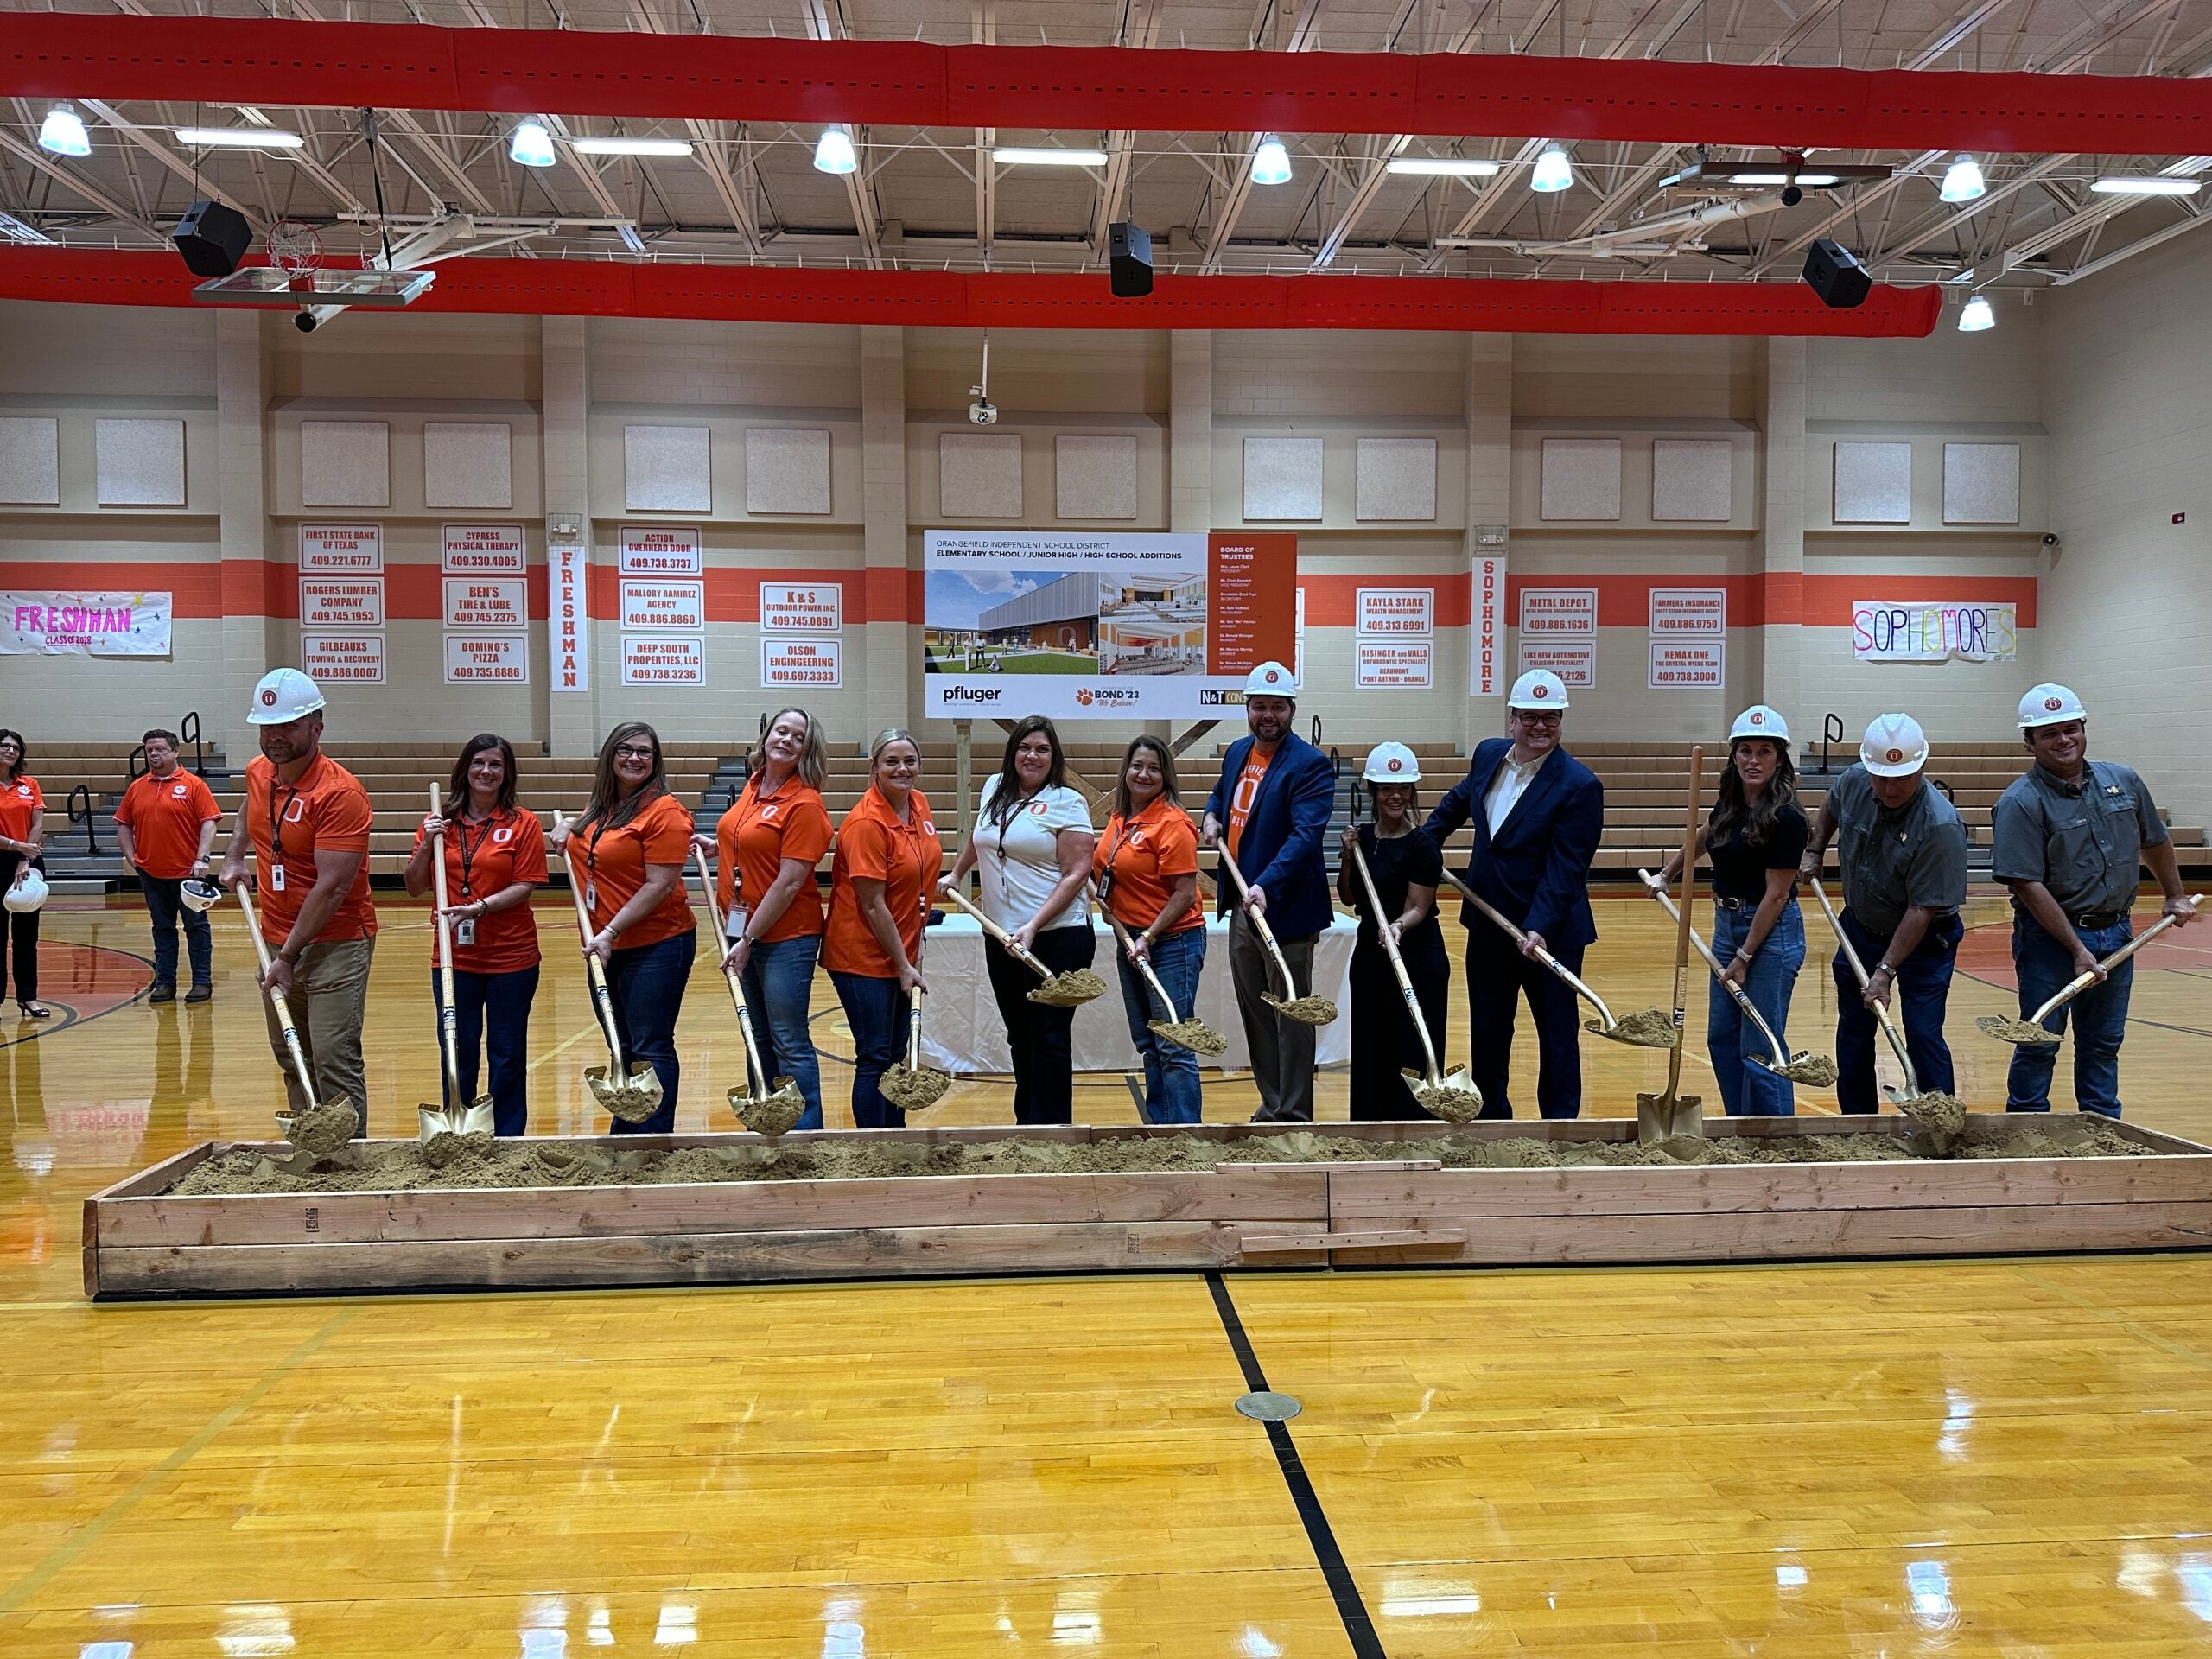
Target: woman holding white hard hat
22	872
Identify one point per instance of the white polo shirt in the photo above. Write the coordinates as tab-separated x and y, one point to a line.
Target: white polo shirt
1019	866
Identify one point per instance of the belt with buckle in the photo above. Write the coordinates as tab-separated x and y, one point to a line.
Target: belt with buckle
2096	920
1726	903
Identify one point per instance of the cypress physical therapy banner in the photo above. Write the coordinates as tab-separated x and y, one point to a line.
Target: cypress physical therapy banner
85	625
1919	631
1103	625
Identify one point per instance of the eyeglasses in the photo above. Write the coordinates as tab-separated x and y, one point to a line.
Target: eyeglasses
1549	717
630	752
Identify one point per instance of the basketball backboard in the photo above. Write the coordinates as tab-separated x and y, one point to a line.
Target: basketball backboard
263	285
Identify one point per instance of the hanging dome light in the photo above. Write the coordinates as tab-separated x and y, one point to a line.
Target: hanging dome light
1976	316
1964	181
1553	172
834	152
532	145
1271	162
62	132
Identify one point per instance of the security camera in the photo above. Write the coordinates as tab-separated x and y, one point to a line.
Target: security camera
1791	195
306	321
983	412
2050	539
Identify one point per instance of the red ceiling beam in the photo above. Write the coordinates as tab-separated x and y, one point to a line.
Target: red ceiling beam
264	60
956	300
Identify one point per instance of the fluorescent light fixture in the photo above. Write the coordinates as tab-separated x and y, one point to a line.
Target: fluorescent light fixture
14	229
631	146
1014	155
1553	172
2147	187
532	145
1271	162
1976	316
1963	181
62	132
1449	166
1810	180
238	138
834	152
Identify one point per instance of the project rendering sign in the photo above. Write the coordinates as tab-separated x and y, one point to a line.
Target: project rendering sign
1103	625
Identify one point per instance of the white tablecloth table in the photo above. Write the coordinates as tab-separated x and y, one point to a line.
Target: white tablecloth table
962	1033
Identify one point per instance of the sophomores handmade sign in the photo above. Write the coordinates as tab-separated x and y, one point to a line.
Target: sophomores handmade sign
85	623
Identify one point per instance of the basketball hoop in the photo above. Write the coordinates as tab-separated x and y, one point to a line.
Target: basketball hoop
295	250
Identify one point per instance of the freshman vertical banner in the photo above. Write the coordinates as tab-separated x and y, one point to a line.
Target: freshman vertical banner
568	575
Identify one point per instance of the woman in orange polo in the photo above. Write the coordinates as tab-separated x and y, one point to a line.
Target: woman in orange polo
1147	866
23	823
879	883
629	849
495	859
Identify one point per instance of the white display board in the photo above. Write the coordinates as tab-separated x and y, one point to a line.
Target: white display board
355	549
472	607
341	602
487	658
1394	612
1688	665
819	664
1576	661
814	608
1394	665
482	550
664	660
343	658
660	551
1689	612
1873	484
680	605
1553	613
1581	479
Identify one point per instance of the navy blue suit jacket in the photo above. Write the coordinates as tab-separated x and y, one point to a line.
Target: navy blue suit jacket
1281	848
1536	869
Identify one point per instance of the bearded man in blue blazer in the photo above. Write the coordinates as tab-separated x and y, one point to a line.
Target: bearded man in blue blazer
1538	813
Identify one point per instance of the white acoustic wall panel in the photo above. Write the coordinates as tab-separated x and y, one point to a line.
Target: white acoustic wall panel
469	464
344	464
786	469
1582	478
979	474
1873	484
139	463
1693	479
1282	478
30	460
1981	483
1396	479
667	469
1095	476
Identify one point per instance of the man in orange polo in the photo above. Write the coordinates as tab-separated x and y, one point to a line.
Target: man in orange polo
166	825
306	819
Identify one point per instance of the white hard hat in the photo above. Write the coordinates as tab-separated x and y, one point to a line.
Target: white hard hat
1538	689
2049	704
282	695
28	894
1391	763
199	896
1760	720
1894	746
1270	680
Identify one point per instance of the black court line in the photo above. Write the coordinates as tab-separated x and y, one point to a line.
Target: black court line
1359	1627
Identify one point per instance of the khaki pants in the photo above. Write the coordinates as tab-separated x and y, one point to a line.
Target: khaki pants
329	997
1282	1049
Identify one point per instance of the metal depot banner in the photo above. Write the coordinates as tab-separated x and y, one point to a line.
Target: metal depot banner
85	625
1107	625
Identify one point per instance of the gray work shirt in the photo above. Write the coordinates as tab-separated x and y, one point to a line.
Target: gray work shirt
2084	841
1893	861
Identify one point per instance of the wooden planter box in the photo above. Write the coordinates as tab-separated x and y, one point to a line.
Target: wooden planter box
139	1243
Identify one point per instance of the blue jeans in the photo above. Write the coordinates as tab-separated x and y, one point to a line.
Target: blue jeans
167	907
1923	987
2099	1015
877	1011
646	985
491	1012
1170	1072
1729	1035
778	981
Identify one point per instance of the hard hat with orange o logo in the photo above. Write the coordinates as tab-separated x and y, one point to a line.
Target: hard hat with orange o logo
1538	689
1760	720
1894	746
2050	705
1270	680
282	696
1391	763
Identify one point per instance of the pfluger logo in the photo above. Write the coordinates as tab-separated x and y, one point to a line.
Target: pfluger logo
970	694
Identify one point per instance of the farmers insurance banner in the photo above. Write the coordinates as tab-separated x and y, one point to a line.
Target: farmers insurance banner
1102	625
85	625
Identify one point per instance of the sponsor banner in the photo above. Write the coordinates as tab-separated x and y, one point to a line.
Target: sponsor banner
567	624
351	550
660	550
1917	631
664	604
476	605
487	659
344	659
1575	661
1396	665
664	660
816	663
1688	664
1548	613
341	601
1489	596
1689	612
482	550
1395	613
85	623
797	608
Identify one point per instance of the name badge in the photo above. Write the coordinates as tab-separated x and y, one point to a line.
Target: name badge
464	933
277	878
591	895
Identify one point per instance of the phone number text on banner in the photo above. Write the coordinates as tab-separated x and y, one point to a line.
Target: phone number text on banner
1917	631
85	625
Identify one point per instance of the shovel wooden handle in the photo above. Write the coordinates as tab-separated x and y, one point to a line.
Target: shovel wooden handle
756	1075
1144	968
602	998
275	998
1000	934
1858	969
1521	937
2074	988
1682	917
914	1035
448	1020
1397	965
1742	999
1258	919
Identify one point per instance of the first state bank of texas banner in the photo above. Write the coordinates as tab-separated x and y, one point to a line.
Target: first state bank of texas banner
85	623
1102	625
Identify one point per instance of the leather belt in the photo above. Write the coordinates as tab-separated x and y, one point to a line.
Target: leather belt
2096	920
1726	903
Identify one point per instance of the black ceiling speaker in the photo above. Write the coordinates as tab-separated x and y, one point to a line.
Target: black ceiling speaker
213	238
1837	276
1128	260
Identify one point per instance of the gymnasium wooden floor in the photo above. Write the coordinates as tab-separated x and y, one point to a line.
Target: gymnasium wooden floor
1999	1458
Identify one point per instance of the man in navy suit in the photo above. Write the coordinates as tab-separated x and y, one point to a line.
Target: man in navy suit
1272	808
1537	813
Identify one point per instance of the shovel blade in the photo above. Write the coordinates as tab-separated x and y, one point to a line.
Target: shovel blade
1662	1117
474	1118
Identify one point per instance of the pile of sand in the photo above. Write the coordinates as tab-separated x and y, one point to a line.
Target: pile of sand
1307	1010
2017	1031
323	1131
911	1091
778	1112
1077	986
1194	1034
1816	1070
1646	1028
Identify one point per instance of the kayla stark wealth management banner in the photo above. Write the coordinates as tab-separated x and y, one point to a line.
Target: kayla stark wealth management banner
1102	625
85	625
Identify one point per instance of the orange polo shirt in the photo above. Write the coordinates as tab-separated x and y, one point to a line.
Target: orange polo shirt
18	800
905	857
483	858
613	863
164	815
754	837
1247	791
1147	854
325	809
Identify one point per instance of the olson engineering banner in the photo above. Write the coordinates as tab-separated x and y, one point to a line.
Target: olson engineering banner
1103	625
85	625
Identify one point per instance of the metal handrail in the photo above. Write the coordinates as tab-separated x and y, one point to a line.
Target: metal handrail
188	732
84	815
1831	732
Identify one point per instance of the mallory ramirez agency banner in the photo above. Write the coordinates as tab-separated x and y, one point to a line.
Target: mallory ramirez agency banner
1103	625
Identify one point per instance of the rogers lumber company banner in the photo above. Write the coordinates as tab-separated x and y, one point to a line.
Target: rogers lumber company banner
85	625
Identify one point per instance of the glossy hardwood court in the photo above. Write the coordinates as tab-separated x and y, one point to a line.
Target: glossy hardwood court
1990	1458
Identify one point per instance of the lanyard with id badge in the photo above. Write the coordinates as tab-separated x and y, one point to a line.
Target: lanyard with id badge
290	812
464	928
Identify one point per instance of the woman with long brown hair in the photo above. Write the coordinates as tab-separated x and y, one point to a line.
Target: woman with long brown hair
1147	871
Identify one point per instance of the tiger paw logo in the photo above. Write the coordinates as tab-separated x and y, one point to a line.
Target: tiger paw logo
1084	697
